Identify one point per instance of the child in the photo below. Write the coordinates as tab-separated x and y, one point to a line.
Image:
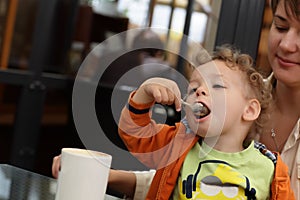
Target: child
209	154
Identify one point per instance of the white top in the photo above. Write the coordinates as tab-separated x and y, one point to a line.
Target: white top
291	156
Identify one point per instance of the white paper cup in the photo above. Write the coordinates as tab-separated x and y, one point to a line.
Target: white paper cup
83	175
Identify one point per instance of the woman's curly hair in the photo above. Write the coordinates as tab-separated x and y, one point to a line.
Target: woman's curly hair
257	87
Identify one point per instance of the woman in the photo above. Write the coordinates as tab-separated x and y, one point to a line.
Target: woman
282	131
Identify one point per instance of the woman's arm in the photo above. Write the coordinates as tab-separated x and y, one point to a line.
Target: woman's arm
123	182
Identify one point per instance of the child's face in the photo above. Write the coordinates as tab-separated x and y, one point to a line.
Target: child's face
221	90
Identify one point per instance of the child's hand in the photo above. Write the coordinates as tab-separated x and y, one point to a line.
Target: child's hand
160	90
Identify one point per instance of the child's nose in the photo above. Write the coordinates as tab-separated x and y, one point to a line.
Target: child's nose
201	91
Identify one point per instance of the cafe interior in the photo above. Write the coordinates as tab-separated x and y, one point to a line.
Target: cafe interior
44	43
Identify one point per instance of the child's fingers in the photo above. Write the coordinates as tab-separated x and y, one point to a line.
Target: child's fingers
157	94
160	95
177	98
169	96
163	91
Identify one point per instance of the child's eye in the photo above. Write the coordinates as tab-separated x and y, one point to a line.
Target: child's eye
218	86
193	90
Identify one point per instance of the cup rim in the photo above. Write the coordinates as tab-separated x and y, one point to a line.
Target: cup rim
85	152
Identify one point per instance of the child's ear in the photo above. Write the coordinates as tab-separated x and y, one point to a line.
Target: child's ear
252	110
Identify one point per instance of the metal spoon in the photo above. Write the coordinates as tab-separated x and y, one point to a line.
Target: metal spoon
194	107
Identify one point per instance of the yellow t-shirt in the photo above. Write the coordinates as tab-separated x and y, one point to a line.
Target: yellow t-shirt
211	174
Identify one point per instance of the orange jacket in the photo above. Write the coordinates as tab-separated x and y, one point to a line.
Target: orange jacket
165	180
281	188
166	175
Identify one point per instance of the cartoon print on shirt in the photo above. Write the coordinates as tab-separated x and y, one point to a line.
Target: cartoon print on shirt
222	182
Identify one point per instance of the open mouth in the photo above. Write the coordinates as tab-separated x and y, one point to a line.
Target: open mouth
203	112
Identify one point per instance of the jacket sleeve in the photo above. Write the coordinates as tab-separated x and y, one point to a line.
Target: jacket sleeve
281	186
155	145
142	135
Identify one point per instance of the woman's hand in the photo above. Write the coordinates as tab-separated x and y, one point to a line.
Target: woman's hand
56	166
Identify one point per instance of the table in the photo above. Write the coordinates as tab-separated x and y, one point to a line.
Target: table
20	184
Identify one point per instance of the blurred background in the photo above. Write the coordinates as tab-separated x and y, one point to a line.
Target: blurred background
43	43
